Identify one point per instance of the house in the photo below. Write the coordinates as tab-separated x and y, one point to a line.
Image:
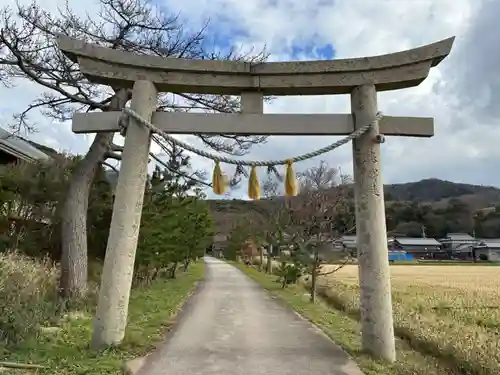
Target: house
348	243
453	240
464	251
487	250
219	243
13	148
427	248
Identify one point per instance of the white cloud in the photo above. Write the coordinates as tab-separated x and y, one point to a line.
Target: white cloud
460	93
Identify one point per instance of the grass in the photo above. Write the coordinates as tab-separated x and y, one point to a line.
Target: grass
152	310
344	329
449	312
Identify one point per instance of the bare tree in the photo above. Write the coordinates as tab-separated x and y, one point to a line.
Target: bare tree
29	51
319	217
274	228
270	186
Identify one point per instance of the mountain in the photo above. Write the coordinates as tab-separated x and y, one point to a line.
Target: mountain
438	193
443	206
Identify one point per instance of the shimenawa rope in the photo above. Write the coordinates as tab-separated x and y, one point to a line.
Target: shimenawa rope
220	182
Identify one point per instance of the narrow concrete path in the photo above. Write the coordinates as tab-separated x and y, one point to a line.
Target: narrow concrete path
232	326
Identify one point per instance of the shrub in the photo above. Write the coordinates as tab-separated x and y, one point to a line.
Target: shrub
28	295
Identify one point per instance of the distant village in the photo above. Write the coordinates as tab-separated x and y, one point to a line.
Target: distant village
454	246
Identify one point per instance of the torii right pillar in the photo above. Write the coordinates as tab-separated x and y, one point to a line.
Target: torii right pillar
377	331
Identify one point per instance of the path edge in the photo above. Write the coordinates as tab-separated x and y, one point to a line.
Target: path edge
141	365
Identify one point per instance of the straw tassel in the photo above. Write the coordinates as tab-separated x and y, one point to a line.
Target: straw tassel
291	188
219	183
253	184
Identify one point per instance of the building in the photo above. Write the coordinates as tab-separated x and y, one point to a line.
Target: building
396	253
454	240
418	248
13	148
464	251
488	250
219	243
348	244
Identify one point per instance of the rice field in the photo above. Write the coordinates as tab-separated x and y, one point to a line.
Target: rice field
450	312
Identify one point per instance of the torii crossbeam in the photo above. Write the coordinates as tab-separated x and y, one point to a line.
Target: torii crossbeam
360	77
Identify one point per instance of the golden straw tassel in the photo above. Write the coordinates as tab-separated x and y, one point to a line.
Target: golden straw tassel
291	188
253	184
218	182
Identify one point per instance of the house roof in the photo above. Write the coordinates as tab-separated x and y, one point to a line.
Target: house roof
490	244
351	238
459	237
408	241
20	148
463	246
220	238
496	240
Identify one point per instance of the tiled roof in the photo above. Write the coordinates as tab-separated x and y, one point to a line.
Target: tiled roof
490	244
496	240
351	238
19	148
459	237
417	241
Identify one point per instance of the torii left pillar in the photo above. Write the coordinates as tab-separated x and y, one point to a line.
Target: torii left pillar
116	280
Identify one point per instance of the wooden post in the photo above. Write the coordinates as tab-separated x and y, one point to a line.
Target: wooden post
116	279
374	274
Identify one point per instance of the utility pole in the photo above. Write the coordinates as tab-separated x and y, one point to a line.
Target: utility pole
424	235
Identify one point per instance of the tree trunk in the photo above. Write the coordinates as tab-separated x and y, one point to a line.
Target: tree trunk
314	276
73	280
269	264
173	270
186	264
261	258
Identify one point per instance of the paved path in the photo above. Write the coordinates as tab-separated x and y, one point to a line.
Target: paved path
233	327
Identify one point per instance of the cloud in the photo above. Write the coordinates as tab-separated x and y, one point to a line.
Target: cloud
461	93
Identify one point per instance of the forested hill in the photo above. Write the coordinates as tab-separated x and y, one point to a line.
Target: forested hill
434	191
441	206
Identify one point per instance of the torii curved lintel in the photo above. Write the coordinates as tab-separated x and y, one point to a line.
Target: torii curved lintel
388	72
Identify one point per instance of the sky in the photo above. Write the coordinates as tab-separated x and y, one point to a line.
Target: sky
460	93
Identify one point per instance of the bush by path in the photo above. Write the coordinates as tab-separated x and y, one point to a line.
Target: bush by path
64	349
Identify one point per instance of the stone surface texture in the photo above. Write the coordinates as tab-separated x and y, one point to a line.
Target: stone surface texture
374	274
340	76
255	123
118	269
232	326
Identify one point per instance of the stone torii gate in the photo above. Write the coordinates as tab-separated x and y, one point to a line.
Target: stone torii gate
360	77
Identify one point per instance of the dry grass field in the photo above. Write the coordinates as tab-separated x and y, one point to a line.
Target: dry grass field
450	312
